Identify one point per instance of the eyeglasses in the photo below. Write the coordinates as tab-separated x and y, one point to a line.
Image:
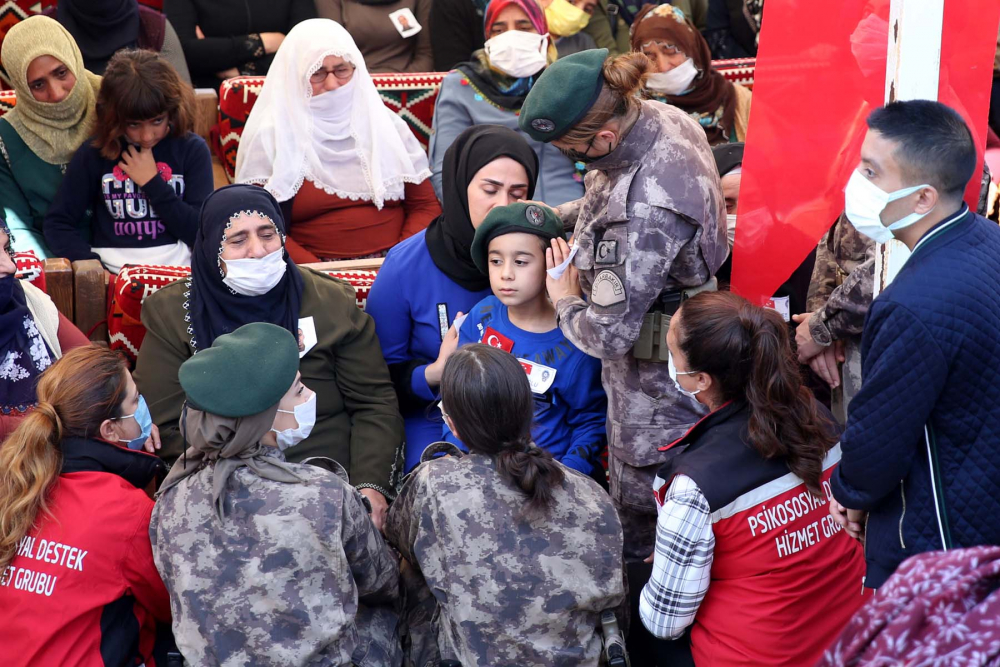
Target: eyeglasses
341	72
667	48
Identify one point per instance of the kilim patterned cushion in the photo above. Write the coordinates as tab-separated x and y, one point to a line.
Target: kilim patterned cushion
30	268
13	12
8	98
412	96
135	283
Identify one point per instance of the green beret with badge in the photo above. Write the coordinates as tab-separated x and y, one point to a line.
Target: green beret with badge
563	95
522	217
244	372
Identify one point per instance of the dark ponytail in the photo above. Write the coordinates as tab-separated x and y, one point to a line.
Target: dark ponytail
746	350
487	396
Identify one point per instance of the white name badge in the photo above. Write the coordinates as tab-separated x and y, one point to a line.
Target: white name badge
780	304
539	377
405	22
307	335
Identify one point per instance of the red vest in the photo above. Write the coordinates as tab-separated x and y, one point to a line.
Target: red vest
785	578
83	589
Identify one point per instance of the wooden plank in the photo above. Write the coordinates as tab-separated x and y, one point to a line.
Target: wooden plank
59	284
206	111
913	71
219	176
90	294
349	265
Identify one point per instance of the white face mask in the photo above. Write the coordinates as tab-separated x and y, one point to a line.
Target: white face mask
731	229
518	53
305	415
675	82
674	373
864	202
253	277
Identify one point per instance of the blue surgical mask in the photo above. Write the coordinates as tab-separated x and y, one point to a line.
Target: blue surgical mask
145	422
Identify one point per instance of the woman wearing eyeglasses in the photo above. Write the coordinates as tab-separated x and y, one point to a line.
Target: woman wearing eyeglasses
352	179
684	76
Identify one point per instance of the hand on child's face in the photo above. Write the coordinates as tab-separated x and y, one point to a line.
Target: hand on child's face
139	165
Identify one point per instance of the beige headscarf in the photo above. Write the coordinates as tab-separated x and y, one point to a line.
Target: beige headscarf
52	131
227	444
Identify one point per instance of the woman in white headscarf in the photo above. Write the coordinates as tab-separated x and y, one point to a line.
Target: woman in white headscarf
352	179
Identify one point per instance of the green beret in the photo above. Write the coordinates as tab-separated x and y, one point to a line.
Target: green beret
244	372
520	217
563	95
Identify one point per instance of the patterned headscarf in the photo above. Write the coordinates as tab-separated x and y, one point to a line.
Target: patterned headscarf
54	131
23	352
530	7
939	608
712	100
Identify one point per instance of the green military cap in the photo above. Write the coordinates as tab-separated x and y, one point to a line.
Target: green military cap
563	95
520	217
244	372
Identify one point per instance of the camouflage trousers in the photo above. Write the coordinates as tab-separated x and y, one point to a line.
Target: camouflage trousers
850	379
632	495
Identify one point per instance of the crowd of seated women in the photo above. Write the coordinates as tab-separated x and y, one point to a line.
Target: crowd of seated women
273	419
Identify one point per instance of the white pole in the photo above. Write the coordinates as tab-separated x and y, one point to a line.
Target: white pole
913	68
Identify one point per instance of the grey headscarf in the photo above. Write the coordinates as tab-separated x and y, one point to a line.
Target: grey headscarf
227	444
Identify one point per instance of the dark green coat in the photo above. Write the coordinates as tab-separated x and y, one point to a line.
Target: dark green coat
357	419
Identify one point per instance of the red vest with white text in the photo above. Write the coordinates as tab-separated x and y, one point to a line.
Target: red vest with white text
785	578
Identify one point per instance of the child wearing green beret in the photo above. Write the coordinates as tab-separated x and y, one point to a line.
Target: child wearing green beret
570	403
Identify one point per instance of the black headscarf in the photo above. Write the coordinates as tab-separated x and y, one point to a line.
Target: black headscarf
449	236
214	309
100	28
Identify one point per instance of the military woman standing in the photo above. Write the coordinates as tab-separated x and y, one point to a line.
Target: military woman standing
649	231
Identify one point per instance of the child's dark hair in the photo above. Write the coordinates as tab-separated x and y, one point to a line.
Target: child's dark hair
745	348
487	396
140	85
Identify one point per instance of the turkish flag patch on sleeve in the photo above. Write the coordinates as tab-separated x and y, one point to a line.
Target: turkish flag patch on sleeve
494	338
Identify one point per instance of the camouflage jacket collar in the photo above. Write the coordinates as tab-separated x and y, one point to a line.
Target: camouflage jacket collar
636	144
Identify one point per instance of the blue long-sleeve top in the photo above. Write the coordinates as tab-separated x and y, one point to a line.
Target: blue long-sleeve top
413	304
571	415
930	357
125	215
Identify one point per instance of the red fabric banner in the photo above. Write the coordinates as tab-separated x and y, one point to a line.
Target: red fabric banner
820	72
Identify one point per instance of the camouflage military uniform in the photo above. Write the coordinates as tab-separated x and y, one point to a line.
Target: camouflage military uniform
840	293
280	579
486	586
652	221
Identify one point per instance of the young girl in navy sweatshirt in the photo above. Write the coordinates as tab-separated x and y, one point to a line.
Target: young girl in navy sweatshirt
132	194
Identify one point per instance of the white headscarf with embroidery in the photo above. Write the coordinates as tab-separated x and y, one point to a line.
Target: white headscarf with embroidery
345	141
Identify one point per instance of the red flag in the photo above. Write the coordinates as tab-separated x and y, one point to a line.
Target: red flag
820	72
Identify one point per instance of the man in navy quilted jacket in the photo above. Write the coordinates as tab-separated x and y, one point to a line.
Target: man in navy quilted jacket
921	450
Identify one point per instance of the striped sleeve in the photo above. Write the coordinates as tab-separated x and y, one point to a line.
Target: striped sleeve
682	562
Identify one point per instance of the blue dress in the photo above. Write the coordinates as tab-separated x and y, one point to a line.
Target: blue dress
413	304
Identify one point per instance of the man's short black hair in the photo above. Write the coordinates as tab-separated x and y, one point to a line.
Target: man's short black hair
934	145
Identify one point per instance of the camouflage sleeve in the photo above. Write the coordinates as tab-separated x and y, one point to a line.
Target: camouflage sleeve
844	313
824	275
569	212
657	248
374	566
403	521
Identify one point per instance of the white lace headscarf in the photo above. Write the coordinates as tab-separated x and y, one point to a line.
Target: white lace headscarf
345	141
